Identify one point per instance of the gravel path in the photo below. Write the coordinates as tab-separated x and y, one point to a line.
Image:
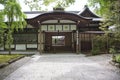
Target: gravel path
66	67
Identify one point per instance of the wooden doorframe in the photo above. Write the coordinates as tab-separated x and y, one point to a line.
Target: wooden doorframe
68	41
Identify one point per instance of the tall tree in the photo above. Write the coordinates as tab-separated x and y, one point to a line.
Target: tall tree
36	4
110	11
15	19
2	30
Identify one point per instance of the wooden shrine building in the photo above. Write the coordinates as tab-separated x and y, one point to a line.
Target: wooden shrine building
58	31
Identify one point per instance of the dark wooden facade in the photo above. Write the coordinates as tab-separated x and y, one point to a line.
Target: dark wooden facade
76	28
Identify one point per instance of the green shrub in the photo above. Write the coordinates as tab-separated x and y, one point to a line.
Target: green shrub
95	51
117	58
112	50
98	45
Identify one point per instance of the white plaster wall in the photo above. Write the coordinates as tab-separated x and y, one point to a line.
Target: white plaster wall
51	28
29	26
20	47
66	28
31	45
66	21
73	27
56	21
44	27
59	27
51	21
12	46
1	48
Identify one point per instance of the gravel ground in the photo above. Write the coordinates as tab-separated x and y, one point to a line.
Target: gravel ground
64	67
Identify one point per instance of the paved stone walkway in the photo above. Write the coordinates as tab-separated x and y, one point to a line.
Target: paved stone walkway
66	67
4	72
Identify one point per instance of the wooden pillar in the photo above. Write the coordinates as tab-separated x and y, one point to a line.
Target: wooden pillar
43	41
40	32
72	41
92	40
77	41
77	37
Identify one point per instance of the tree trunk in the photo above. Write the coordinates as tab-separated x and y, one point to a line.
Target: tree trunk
9	49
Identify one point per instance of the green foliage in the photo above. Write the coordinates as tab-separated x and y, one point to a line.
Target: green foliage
112	50
1	37
117	58
95	51
99	44
64	3
9	39
15	20
33	4
2	30
37	4
3	1
110	11
14	15
112	17
102	7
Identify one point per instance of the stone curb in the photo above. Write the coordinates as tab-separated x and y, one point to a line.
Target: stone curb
10	61
15	59
3	65
115	64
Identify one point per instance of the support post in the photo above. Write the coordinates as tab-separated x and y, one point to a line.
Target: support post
73	42
40	32
43	41
77	41
77	37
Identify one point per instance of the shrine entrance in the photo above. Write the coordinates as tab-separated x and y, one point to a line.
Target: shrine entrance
59	31
58	42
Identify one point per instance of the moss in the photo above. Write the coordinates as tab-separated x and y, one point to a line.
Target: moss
6	58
